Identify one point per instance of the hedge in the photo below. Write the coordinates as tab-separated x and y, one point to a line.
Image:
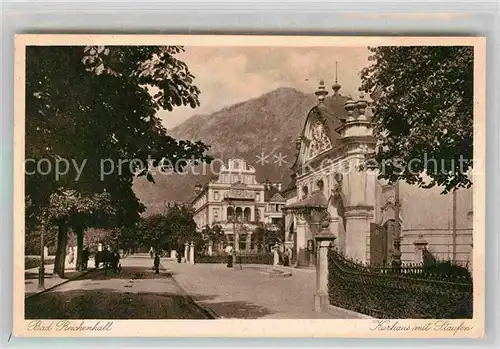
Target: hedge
34	262
238	258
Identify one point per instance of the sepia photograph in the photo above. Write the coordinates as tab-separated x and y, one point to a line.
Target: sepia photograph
281	186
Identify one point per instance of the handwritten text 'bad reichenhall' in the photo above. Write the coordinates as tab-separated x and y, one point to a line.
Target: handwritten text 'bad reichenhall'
65	325
438	326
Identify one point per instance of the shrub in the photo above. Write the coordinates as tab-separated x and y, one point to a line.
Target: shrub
448	268
247	258
210	259
260	258
34	261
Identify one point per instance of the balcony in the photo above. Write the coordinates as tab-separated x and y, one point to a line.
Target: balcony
273	227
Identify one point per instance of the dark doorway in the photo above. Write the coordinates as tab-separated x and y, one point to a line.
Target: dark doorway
378	244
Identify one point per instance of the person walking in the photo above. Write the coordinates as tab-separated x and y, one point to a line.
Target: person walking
229	251
276	256
85	258
156	263
286	258
151	251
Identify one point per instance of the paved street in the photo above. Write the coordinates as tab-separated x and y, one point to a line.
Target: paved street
247	292
250	292
135	293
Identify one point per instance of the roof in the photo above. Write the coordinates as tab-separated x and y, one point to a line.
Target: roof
277	198
269	193
334	115
316	200
291	186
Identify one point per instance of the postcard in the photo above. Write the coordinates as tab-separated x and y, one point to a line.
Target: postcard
249	186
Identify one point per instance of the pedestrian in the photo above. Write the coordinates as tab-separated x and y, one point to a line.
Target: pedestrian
116	262
151	252
229	251
276	256
286	258
85	258
156	264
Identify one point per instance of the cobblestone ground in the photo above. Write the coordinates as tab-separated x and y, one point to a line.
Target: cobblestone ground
249	292
135	293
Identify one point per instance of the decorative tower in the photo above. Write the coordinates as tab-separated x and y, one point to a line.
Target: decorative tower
361	105
358	122
349	107
336	86
321	93
357	135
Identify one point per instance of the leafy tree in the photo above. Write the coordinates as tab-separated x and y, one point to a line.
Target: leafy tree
64	208
96	236
214	234
156	232
128	238
171	230
92	105
423	111
181	222
265	236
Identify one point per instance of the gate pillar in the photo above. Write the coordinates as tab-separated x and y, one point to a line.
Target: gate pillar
324	240
358	221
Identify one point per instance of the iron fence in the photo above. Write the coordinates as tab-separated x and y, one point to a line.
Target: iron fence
413	291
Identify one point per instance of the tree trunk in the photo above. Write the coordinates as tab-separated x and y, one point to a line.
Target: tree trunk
79	249
62	240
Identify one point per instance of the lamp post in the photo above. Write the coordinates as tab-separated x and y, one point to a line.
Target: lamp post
396	256
232	220
41	268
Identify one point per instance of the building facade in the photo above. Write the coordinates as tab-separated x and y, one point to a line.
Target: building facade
327	177
239	204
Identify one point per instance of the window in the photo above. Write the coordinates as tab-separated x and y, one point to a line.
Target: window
216	195
305	191
320	184
230	213
246	214
277	207
239	213
216	217
243	242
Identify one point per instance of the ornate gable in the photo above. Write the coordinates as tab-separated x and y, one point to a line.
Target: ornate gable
277	197
319	140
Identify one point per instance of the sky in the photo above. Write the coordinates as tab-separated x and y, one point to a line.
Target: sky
228	75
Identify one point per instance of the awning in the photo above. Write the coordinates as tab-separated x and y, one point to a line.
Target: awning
316	200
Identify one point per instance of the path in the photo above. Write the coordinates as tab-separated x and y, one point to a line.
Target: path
51	280
249	292
135	293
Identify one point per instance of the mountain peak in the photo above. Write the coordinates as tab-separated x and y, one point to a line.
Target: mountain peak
268	124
